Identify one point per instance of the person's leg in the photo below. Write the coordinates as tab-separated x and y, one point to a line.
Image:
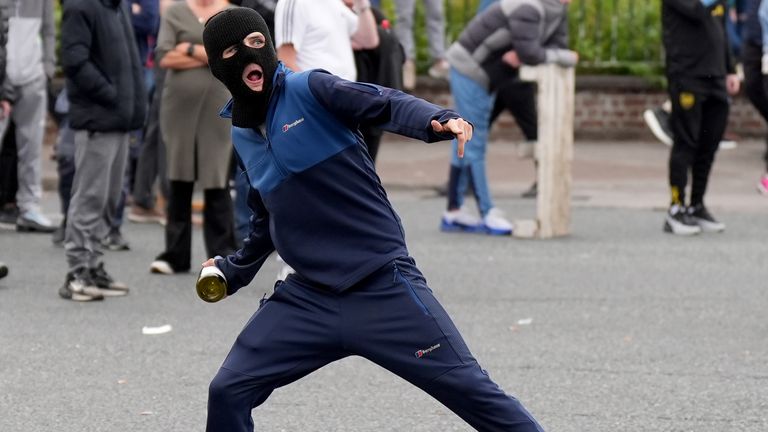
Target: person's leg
756	89
65	167
393	319
295	331
714	119
435	28
65	163
372	137
146	172
404	10
520	99
29	115
474	104
113	214
218	222
753	79
178	230
95	158
685	122
9	180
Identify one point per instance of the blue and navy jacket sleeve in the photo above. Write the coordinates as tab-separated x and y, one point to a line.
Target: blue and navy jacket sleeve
241	267
389	109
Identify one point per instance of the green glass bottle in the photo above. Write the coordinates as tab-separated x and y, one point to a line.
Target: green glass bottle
211	285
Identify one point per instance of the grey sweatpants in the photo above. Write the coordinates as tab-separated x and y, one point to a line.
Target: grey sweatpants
100	159
29	115
404	10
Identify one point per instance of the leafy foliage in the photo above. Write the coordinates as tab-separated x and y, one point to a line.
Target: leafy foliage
612	36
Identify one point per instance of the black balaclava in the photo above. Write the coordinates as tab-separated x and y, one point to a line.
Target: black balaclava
229	28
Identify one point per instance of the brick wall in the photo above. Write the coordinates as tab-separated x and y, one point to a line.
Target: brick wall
610	108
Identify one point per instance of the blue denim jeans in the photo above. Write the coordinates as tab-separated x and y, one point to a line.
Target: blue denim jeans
474	104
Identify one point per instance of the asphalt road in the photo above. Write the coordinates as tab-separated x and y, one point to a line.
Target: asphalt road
618	327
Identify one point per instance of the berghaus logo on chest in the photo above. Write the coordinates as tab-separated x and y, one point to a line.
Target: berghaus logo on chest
288	126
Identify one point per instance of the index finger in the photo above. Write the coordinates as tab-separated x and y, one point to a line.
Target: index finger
461	139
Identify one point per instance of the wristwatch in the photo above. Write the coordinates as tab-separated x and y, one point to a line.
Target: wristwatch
191	50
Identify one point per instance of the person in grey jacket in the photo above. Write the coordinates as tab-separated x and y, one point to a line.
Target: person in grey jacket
518	32
30	63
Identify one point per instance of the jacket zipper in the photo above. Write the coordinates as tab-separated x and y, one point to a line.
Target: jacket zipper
270	114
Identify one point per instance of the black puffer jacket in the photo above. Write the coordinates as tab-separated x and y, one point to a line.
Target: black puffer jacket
695	40
6	91
102	67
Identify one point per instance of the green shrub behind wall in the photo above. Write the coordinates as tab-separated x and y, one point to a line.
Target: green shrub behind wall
611	36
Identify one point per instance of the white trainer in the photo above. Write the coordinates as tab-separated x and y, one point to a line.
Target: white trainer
460	221
496	224
161	267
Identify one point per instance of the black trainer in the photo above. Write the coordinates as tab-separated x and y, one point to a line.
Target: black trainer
106	284
114	241
658	122
79	287
3	270
679	222
701	216
58	236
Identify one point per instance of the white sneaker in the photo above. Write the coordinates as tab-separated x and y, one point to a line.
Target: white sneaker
409	75
496	224
679	222
161	267
439	70
728	144
460	221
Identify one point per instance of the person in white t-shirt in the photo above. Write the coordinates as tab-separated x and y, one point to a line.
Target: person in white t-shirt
321	34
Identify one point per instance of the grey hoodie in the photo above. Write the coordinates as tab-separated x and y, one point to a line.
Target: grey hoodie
31	41
536	29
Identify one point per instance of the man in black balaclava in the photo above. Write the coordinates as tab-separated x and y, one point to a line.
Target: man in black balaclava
316	199
242	56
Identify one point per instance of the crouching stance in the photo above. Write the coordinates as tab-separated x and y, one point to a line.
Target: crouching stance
317	200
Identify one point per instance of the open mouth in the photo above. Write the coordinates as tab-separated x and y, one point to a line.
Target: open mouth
253	76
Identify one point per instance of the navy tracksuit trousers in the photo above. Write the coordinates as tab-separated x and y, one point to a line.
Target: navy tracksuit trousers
390	318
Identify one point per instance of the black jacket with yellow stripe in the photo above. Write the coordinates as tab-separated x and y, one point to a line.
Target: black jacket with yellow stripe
695	39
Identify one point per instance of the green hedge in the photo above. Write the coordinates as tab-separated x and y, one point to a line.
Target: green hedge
611	36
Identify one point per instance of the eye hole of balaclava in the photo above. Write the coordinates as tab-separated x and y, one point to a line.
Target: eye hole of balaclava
226	32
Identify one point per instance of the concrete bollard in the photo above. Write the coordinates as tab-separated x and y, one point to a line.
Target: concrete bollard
555	102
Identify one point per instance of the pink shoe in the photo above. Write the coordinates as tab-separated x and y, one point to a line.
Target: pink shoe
762	185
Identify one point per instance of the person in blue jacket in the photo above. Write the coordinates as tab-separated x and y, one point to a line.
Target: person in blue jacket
317	200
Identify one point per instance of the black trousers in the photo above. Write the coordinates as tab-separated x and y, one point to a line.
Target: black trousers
699	117
519	97
218	225
756	84
9	181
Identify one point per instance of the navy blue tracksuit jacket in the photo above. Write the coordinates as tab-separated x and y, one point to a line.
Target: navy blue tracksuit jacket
318	201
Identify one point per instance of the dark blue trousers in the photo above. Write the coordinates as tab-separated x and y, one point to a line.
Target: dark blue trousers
391	318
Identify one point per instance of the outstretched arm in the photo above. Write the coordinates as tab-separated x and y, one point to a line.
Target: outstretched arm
392	110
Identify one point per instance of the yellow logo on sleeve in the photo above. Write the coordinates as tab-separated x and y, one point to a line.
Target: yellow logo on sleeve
687	100
718	11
